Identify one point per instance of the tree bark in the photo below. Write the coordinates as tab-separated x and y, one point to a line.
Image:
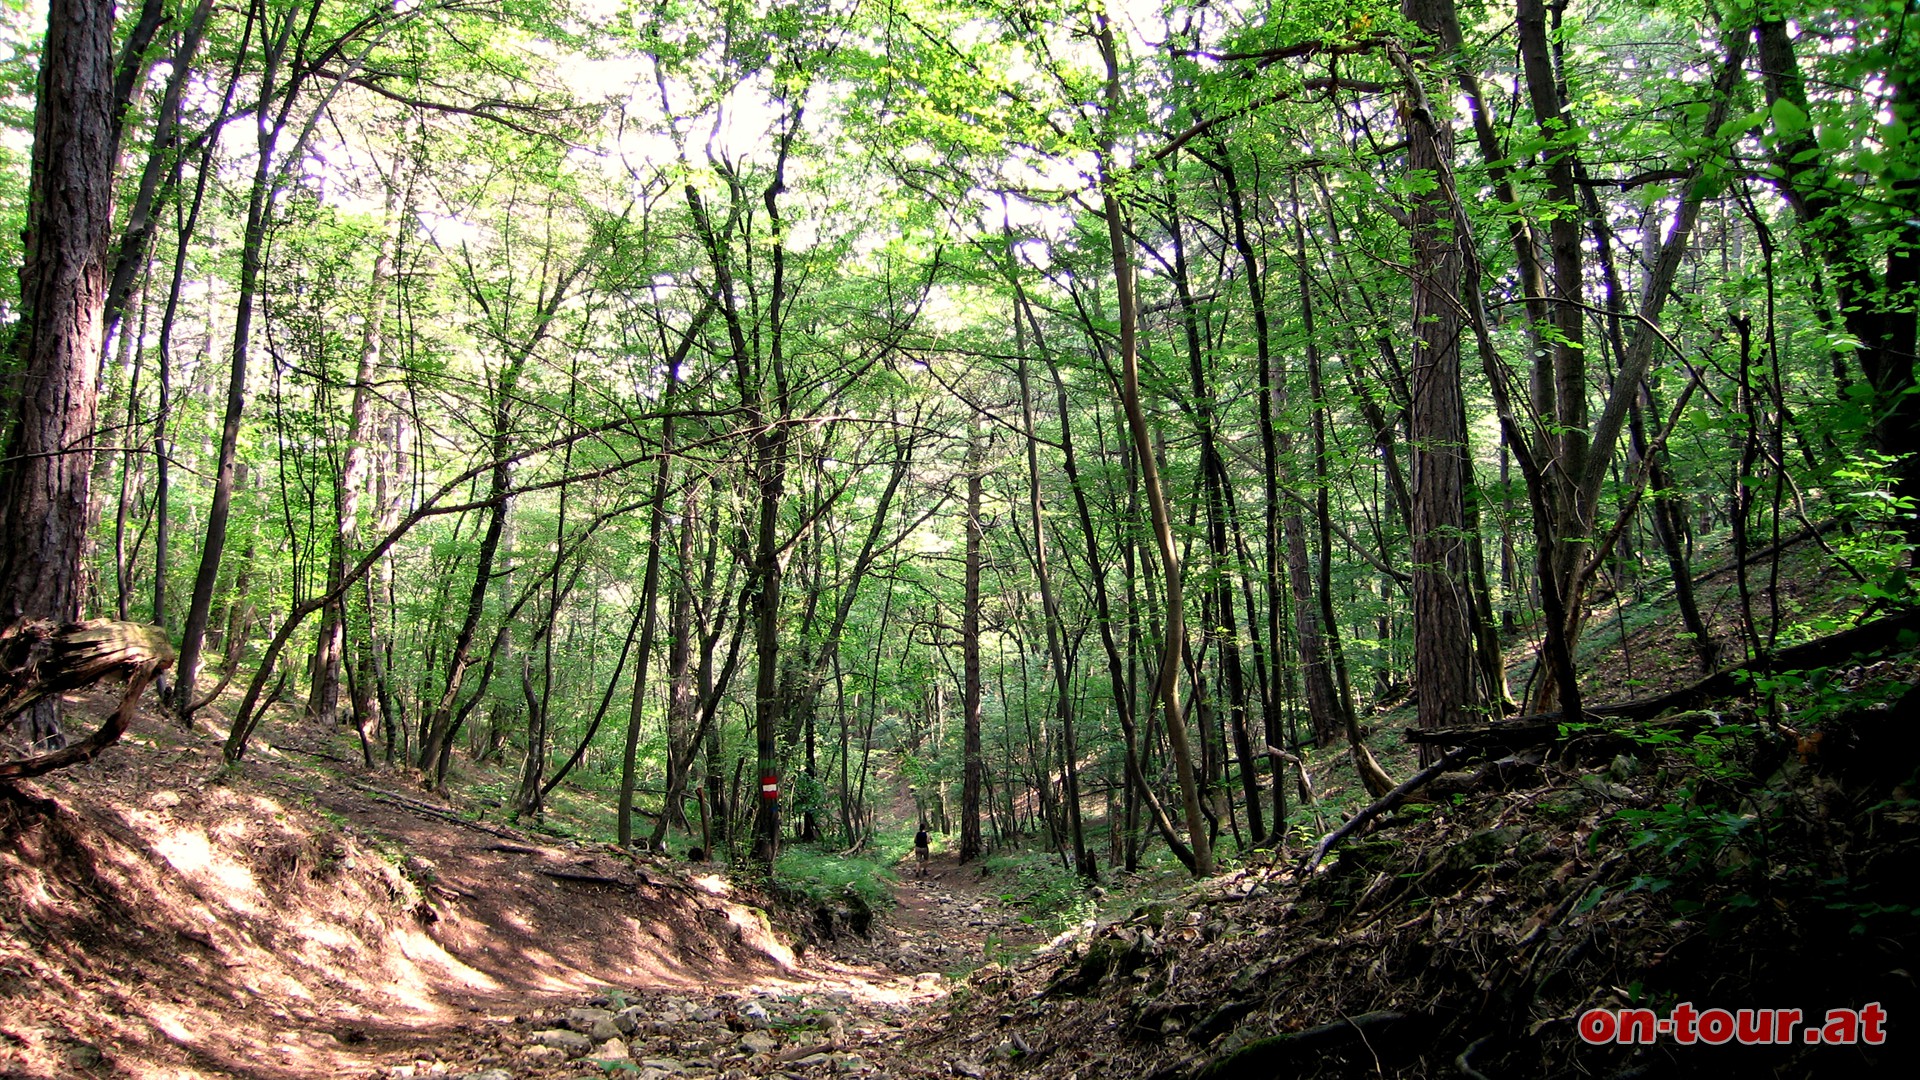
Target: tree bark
45	480
972	763
45	493
1443	646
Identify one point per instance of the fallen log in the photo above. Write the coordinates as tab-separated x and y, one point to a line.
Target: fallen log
585	878
1516	738
1381	805
1306	782
438	813
38	660
1756	555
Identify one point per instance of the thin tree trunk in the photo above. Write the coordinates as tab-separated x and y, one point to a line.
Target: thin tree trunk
1213	475
438	728
330	644
261	197
972	762
682	709
133	361
1118	667
161	173
1056	651
649	611
1175	643
1287	544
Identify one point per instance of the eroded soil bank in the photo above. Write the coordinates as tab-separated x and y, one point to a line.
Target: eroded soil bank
163	915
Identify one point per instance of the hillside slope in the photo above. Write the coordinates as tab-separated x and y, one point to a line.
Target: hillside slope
162	914
1708	858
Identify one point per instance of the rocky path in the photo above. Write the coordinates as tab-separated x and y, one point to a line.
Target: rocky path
951	919
857	1007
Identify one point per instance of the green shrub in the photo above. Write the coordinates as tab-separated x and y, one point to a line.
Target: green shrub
1049	894
823	877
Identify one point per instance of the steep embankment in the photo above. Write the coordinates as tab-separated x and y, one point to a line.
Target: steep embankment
1706	858
161	914
863	1004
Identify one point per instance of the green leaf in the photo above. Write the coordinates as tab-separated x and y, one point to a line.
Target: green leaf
1788	118
1740	125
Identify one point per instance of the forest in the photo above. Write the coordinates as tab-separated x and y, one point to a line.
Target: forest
1126	440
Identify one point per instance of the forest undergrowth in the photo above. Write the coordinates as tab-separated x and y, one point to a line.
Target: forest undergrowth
1749	854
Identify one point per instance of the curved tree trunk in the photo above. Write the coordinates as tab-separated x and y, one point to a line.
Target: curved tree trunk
1175	644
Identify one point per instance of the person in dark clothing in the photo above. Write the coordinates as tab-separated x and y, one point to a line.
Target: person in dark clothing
921	849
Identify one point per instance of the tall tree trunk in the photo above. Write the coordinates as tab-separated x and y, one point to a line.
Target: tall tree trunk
972	763
1542	79
1287	544
682	708
44	480
1878	309
1325	664
1118	667
770	470
161	173
1213	477
270	127
163	406
649	611
1056	649
132	360
1443	646
439	726
1270	450
1175	634
1569	441
769	446
323	703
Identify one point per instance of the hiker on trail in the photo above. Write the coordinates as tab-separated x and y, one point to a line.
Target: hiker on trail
920	849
